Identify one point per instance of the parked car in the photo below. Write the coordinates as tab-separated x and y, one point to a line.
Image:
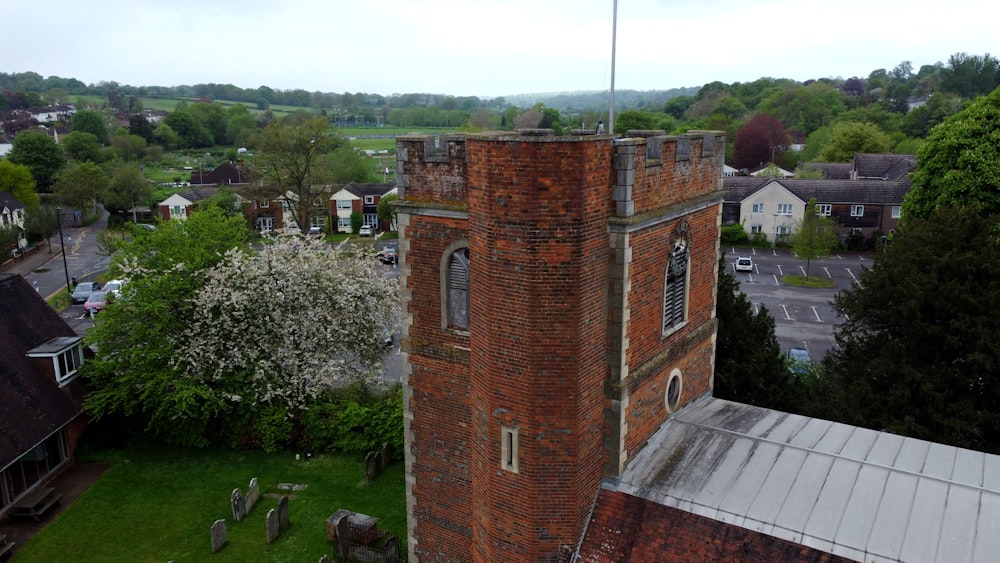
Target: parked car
115	287
744	264
799	360
315	230
366	230
96	302
83	290
388	255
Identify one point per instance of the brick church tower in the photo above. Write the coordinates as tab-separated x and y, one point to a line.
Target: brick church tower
558	307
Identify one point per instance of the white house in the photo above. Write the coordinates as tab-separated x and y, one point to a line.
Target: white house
772	210
12	215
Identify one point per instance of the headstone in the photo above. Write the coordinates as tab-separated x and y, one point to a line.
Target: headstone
343	543
219	535
283	522
239	506
371	467
253	494
390	549
271	526
324	559
386	452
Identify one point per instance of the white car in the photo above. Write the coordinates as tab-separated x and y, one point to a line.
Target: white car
365	230
744	264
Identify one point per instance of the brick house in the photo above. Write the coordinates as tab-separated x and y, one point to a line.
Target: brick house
40	395
559	338
261	214
358	198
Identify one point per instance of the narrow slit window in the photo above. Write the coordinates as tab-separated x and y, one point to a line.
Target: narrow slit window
509	449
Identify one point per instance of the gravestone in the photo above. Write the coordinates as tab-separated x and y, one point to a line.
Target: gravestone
324	559
386	451
283	522
219	535
271	526
253	494
239	506
371	467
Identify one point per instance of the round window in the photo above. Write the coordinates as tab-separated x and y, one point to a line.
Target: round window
673	395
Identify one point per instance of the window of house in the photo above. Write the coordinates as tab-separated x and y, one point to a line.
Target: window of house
781	229
343	204
262	204
758	207
824	209
67	356
319	221
784	209
265	223
177	211
509	449
675	288
754	229
344	222
456	289
896	212
857	211
369	200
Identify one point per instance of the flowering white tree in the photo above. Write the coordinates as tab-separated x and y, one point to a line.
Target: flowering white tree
279	327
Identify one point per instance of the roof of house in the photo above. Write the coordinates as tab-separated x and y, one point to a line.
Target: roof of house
32	406
225	173
362	190
883	166
832	170
873	192
849	491
9	202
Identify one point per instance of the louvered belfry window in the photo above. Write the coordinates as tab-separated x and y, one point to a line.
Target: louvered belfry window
675	288
458	289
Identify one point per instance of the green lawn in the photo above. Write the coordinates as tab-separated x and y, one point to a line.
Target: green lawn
158	505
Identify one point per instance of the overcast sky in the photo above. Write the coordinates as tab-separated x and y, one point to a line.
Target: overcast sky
483	48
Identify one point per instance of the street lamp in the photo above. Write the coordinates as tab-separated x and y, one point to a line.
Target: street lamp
774	230
63	246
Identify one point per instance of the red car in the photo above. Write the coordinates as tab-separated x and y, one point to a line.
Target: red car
97	301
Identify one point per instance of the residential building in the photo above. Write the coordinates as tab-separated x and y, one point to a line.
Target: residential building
12	215
40	394
359	198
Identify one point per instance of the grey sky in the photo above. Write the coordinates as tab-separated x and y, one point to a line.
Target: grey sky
483	48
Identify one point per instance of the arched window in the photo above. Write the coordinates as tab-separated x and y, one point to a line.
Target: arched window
456	290
675	287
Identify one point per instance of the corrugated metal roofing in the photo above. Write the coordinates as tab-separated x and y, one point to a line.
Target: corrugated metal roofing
850	491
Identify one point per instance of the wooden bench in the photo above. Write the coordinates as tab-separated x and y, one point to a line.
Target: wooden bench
36	503
5	546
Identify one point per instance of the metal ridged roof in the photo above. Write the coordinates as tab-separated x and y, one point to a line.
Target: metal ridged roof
850	491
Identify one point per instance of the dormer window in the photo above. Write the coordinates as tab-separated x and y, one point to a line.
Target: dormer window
67	356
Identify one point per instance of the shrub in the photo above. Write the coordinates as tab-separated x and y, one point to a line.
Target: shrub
734	235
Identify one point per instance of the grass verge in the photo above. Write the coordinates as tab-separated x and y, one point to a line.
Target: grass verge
811	281
158	504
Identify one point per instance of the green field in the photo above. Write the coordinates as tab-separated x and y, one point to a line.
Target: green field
157	504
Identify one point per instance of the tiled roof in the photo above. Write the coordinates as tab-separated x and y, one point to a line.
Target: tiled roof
874	192
832	170
361	190
32	406
850	491
884	166
9	201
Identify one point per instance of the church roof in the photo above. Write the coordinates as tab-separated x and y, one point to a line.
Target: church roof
849	491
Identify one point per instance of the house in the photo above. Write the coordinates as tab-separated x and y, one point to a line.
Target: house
359	198
225	174
179	205
12	215
559	349
262	214
53	114
864	197
40	395
6	143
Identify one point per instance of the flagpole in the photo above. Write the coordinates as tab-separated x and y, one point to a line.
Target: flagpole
614	31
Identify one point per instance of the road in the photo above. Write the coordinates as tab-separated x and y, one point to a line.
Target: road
803	316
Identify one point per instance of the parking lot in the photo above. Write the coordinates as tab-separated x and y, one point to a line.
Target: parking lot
803	316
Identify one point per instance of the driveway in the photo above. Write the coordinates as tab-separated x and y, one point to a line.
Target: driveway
803	316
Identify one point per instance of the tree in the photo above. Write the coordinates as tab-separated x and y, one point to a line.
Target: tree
9	237
291	163
16	180
387	208
90	121
849	139
815	236
41	154
748	363
81	185
324	326
139	125
128	147
918	349
189	130
82	146
758	141
166	136
638	120
42	222
970	75
139	339
127	189
959	163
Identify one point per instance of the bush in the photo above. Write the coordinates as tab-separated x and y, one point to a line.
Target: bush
355	420
734	235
